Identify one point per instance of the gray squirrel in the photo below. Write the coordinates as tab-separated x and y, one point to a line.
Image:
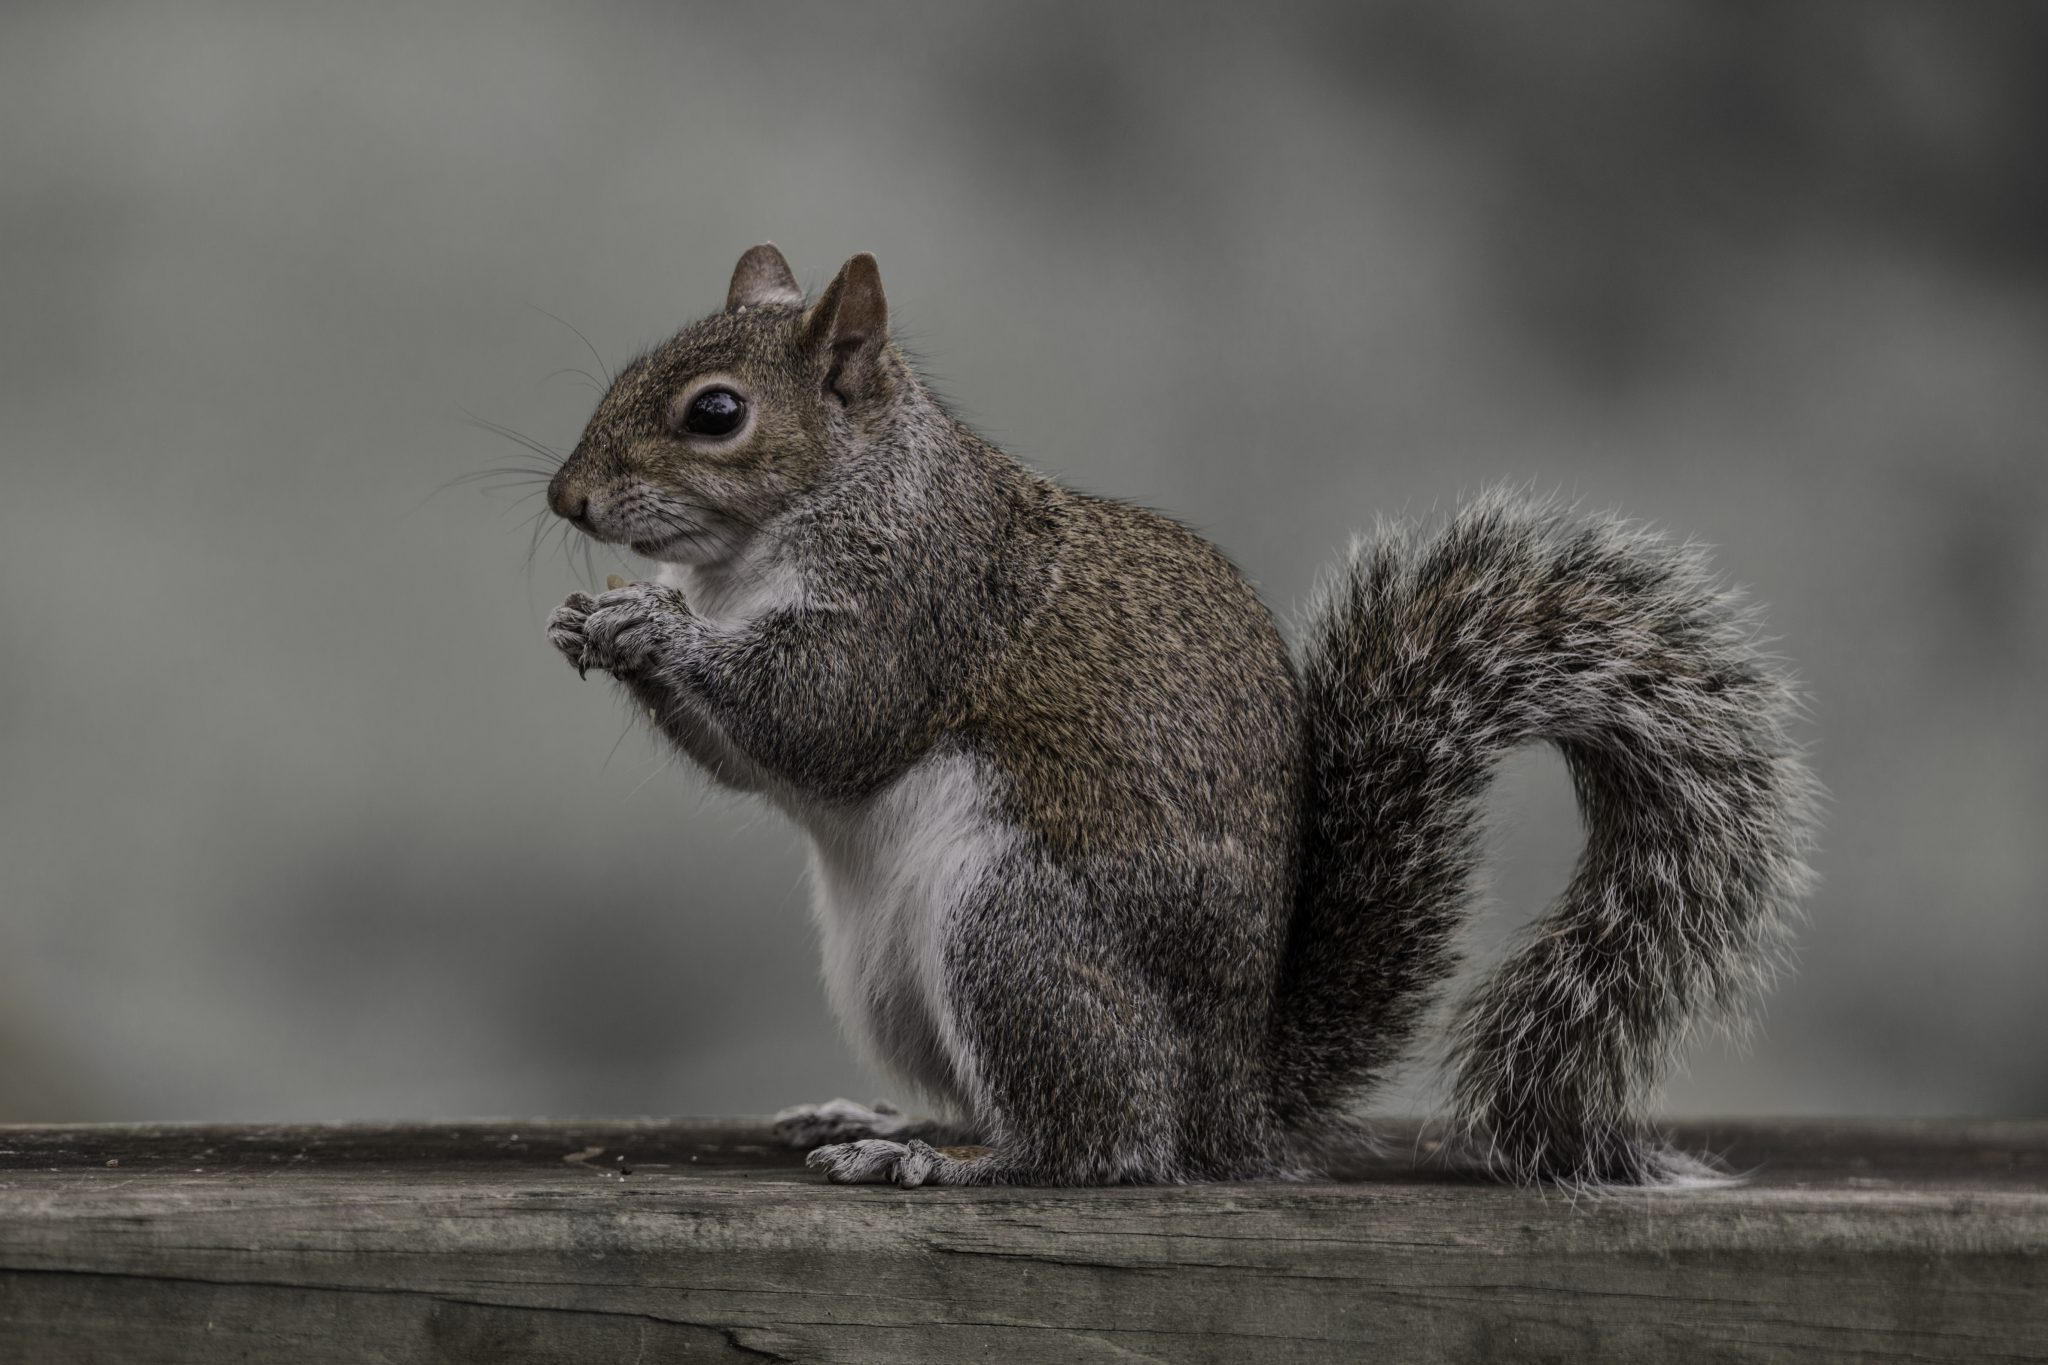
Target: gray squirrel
1100	867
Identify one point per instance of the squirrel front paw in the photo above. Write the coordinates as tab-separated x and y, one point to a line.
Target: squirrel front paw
813	1125
625	631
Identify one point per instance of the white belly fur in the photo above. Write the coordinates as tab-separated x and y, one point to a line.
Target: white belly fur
890	875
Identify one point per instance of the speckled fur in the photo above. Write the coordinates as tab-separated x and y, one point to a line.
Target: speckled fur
1423	666
1096	871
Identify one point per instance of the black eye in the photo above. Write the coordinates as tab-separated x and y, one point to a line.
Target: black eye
715	412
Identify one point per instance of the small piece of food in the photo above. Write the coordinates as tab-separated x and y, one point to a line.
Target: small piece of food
613	581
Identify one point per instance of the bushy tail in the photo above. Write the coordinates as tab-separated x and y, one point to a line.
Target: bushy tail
1421	668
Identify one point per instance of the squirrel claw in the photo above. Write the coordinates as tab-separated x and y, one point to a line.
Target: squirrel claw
625	632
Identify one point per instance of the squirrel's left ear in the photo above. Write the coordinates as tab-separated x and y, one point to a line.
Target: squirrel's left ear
850	325
762	278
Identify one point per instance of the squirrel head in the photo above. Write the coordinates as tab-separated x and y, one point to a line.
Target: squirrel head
713	432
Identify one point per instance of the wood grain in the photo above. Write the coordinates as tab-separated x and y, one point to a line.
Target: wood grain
698	1241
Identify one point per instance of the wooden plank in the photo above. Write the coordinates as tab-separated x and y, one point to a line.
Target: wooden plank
698	1241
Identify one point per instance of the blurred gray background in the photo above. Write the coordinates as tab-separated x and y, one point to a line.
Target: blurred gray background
301	818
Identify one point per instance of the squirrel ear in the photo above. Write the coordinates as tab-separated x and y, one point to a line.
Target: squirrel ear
762	278
850	324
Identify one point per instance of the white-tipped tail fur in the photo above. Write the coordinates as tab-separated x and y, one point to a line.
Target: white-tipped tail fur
1422	667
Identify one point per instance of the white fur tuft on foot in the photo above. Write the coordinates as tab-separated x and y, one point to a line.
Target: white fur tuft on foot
812	1125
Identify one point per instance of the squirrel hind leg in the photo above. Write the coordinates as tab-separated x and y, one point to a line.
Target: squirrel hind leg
806	1126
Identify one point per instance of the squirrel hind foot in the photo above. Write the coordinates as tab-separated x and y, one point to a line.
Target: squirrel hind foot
908	1164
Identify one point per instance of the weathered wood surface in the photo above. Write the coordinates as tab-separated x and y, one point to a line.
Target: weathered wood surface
698	1241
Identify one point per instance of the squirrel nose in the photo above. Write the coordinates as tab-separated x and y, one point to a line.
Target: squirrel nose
568	506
